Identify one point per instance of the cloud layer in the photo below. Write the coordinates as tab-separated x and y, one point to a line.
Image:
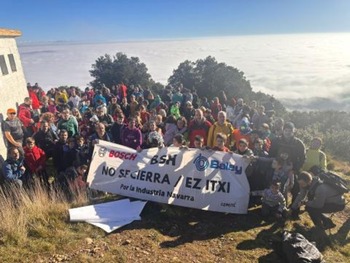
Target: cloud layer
304	68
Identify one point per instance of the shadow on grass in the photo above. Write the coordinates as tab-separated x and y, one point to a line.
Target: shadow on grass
341	235
187	225
266	239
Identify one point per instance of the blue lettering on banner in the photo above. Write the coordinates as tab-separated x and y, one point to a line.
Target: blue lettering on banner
202	163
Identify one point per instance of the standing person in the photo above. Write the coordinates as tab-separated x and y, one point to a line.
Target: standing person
117	129
198	142
60	148
13	131
259	118
68	123
13	168
100	134
45	138
112	106
319	198
277	128
25	114
82	150
198	126
132	136
230	110
104	117
123	90
133	105
314	155
289	147
189	111
125	107
220	126
178	141
216	107
74	98
220	143
243	148
170	130
36	104
181	124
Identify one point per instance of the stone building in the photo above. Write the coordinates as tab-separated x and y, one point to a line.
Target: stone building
13	88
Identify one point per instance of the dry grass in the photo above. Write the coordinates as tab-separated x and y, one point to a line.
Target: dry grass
27	211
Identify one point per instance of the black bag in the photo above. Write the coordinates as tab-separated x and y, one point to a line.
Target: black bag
297	249
331	179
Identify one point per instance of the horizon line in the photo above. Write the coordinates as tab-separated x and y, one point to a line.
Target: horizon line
41	42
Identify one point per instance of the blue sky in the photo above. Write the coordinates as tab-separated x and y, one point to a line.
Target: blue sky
113	20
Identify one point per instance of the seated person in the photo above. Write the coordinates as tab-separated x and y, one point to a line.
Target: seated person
273	202
13	168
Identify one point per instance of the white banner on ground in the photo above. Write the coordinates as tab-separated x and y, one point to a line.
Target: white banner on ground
202	179
108	216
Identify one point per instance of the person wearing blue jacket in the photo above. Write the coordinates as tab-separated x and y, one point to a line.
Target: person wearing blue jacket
13	168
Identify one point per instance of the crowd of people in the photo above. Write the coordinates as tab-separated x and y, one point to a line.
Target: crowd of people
52	135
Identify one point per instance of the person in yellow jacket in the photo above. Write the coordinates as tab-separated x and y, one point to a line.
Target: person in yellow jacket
61	96
220	126
314	156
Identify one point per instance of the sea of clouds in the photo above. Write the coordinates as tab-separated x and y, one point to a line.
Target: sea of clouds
304	71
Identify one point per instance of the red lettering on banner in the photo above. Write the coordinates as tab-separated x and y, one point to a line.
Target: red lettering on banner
122	155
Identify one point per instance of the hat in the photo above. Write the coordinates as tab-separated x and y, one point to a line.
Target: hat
289	125
11	110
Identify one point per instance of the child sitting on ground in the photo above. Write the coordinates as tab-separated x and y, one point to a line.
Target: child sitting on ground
283	172
273	202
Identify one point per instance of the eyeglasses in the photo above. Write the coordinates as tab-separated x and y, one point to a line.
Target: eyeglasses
12	113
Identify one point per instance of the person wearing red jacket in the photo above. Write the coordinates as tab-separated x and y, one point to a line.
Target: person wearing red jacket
26	117
34	157
33	94
198	126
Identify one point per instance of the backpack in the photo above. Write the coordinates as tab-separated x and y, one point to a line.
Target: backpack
332	179
297	249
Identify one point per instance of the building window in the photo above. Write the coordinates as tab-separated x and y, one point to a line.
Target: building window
12	63
3	65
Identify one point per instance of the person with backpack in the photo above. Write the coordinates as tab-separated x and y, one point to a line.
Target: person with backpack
319	198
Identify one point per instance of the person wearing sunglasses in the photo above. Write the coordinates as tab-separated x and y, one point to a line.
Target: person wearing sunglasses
13	130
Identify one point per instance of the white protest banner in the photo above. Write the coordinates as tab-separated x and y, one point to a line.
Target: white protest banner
202	179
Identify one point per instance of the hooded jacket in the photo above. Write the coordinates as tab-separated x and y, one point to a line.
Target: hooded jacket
34	158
